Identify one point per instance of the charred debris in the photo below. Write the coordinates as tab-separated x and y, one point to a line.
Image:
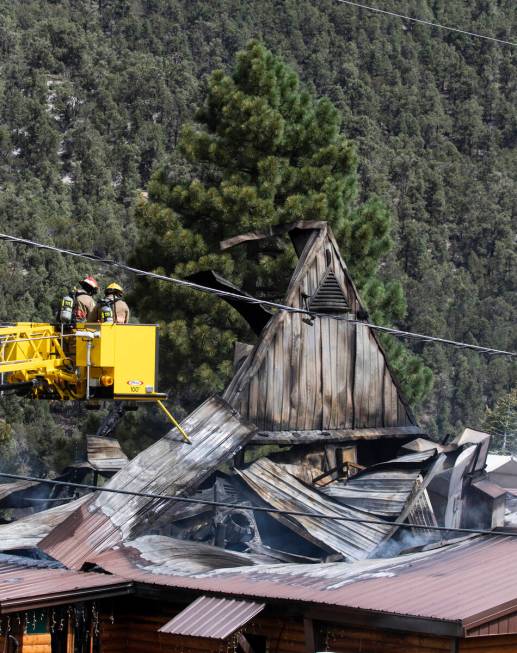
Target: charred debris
313	422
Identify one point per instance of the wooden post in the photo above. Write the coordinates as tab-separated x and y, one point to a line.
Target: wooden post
310	640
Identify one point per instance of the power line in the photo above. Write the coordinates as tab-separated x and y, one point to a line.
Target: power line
425	22
244	506
256	301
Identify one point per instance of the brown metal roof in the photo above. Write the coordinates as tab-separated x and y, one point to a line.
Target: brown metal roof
26	584
465	584
212	617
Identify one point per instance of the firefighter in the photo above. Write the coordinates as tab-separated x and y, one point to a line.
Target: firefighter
85	307
113	308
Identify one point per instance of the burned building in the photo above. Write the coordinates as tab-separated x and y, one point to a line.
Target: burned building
308	490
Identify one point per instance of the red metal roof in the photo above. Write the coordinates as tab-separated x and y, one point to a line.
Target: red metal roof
468	584
212	617
26	585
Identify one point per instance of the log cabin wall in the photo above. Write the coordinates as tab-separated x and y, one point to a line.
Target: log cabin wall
355	640
37	643
113	636
327	375
490	644
136	623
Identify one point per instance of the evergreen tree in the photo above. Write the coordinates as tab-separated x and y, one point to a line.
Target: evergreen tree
94	94
501	422
264	152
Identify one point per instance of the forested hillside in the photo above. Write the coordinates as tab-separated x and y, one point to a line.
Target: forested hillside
93	96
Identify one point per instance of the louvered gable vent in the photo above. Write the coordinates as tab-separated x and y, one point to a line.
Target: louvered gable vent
329	298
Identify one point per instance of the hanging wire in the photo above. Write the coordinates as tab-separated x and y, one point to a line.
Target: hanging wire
256	301
246	506
422	21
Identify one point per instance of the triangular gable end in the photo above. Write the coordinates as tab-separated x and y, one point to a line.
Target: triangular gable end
322	374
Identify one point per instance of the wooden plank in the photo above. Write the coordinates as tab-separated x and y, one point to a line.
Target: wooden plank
310	379
360	379
317	414
390	407
372	389
253	363
347	354
334	347
303	266
341	378
309	636
244	402
287	347
326	373
296	363
275	384
262	394
252	409
338	435
379	404
302	407
302	380
311	354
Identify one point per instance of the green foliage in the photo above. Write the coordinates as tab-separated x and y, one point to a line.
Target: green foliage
93	95
264	152
501	422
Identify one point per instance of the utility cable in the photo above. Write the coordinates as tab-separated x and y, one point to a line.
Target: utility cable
255	300
422	21
243	506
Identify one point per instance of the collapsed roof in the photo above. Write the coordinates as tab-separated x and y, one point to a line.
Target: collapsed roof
350	471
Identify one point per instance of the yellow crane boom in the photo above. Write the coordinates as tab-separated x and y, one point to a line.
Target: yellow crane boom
82	362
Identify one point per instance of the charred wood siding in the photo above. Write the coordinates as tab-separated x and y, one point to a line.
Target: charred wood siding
328	374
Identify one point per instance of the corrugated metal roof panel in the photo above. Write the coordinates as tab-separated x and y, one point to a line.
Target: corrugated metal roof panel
26	586
184	557
283	491
422	444
27	532
213	618
169	466
455	583
384	493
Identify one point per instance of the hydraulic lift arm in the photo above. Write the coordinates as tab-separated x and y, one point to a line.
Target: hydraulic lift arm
83	362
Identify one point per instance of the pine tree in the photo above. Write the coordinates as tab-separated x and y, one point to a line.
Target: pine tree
501	422
263	152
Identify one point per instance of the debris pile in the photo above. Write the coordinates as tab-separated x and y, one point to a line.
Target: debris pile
311	455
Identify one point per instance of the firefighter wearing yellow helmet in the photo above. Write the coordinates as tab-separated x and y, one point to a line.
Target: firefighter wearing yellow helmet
113	308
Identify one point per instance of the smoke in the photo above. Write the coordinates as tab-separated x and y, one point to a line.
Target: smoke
405	540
